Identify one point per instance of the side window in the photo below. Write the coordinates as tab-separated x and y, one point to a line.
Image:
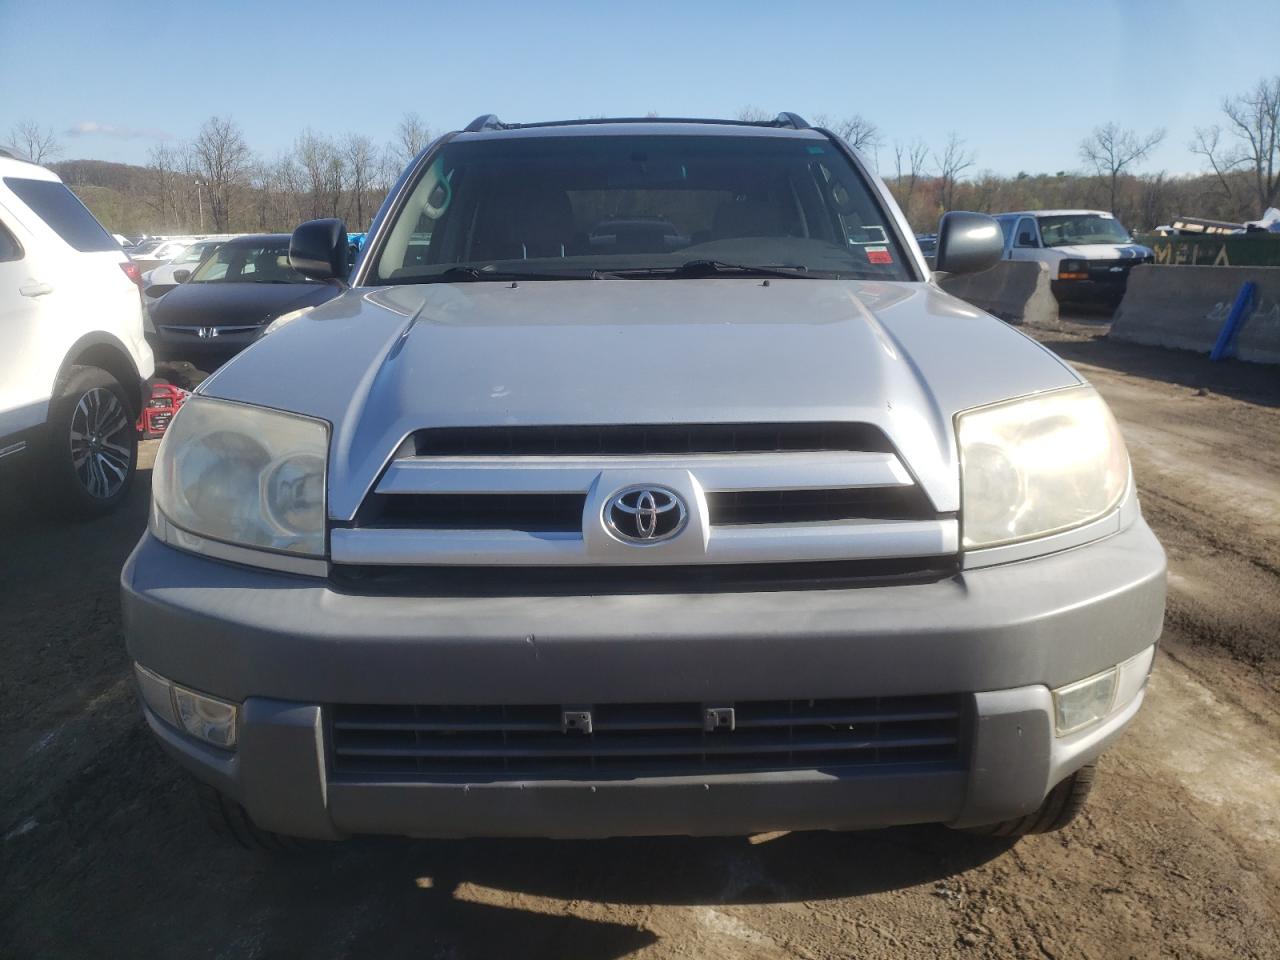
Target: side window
1027	235
10	249
63	212
1006	227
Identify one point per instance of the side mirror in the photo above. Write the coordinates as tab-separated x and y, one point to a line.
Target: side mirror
318	250
968	242
181	276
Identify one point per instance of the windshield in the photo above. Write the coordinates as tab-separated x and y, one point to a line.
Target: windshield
249	263
194	253
1081	228
145	247
566	207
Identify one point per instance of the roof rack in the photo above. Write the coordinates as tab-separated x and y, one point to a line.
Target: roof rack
12	154
489	121
793	120
486	121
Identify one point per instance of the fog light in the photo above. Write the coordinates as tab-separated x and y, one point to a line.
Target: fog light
154	690
209	719
1087	701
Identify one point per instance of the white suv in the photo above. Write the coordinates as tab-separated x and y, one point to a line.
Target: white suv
72	353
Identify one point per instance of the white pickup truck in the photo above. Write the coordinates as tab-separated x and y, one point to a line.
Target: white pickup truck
1089	252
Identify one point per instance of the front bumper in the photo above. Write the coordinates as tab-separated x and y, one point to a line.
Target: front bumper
172	346
1090	291
287	647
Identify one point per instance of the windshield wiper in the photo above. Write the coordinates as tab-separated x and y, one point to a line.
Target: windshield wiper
465	274
711	268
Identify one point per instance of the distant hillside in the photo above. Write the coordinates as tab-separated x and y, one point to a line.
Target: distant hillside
115	192
103	173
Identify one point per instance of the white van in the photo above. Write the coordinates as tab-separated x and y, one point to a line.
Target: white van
73	358
1089	252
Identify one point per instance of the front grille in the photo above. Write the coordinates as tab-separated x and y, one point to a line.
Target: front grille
817	506
562	512
641	440
763	494
535	512
1101	270
642	739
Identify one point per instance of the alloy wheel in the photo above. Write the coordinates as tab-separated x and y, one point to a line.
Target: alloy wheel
100	450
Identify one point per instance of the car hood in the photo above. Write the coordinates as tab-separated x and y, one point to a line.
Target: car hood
1103	251
392	360
235	304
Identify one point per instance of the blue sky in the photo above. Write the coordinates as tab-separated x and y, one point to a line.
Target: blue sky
1022	83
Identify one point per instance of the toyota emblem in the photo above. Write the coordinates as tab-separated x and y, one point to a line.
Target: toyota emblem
645	514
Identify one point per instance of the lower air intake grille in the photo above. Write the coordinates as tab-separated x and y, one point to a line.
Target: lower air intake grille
642	739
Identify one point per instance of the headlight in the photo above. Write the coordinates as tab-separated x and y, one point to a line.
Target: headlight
1073	270
244	475
286	318
1037	466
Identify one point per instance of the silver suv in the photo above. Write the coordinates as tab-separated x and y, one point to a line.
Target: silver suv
643	482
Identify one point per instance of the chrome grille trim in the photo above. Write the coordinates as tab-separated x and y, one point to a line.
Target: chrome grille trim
722	473
756	543
538	497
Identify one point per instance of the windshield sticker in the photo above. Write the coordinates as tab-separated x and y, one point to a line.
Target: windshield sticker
879	255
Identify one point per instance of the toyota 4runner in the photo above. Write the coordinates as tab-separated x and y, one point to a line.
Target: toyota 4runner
643	482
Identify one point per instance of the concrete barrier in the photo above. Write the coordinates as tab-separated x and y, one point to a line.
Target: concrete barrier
1184	308
1014	290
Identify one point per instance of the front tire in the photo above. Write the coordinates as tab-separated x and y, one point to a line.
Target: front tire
89	452
231	821
1060	807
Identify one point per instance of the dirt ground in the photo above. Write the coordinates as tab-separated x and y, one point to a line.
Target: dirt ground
1178	854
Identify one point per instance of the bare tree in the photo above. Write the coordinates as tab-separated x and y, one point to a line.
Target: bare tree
1153	201
753	114
223	159
310	152
164	164
288	180
361	157
909	161
36	144
411	136
952	162
1111	150
856	130
262	182
193	194
1253	119
1208	144
324	172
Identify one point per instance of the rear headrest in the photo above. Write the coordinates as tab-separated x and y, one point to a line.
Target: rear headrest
744	217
